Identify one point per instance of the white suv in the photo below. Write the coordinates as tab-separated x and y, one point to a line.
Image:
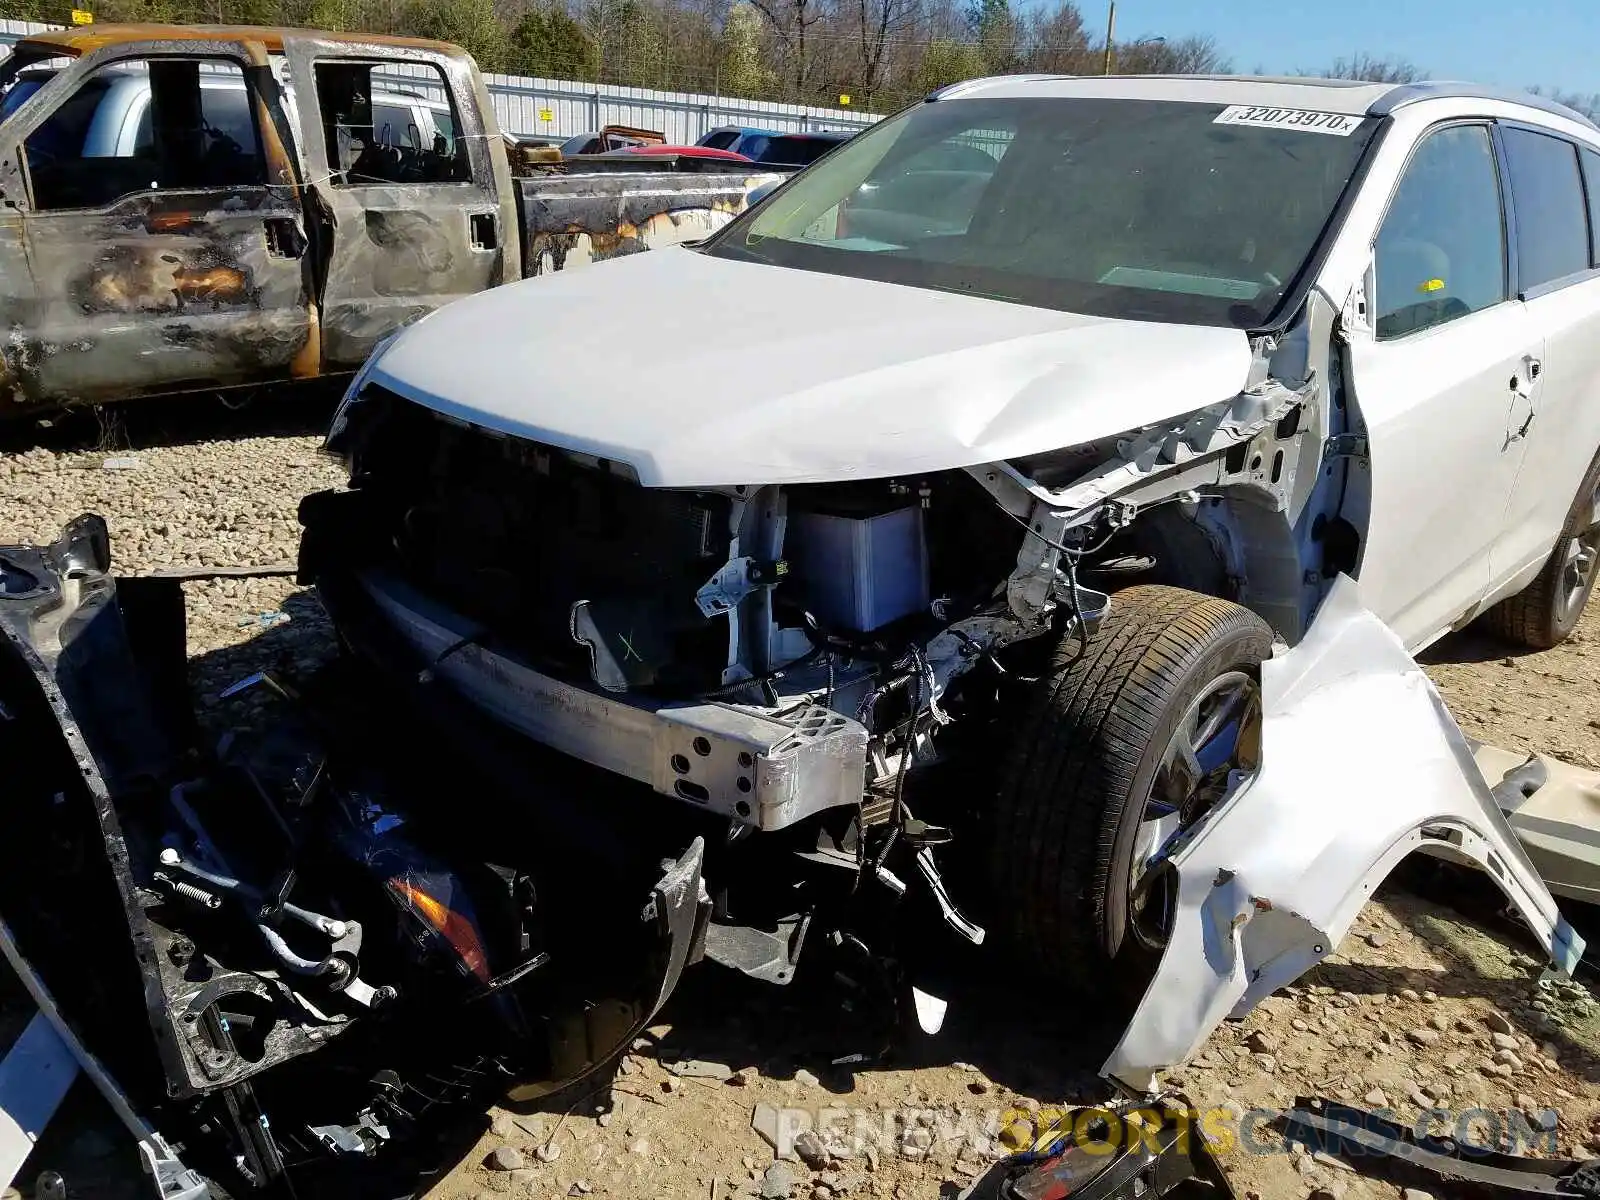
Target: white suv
1198	345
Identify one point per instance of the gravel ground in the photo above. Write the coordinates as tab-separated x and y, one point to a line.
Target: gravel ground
1410	1007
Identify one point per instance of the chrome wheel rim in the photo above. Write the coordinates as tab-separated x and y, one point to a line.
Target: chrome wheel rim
1199	765
1579	558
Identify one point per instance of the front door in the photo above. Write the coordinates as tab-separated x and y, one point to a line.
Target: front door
407	224
1451	359
164	246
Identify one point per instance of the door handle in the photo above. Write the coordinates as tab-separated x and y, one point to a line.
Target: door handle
485	229
284	239
1532	367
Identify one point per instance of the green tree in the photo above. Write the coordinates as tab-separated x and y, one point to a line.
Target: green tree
471	24
945	62
998	33
550	43
740	69
336	15
125	10
631	43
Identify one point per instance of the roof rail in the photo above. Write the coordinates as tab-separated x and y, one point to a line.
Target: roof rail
1433	89
955	89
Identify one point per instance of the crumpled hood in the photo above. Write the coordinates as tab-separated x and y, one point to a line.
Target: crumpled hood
701	372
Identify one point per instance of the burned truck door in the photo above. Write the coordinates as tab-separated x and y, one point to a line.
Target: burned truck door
404	225
162	226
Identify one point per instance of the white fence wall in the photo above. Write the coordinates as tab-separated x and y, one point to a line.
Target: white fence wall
521	105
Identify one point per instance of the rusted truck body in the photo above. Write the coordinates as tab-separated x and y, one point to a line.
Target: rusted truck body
195	208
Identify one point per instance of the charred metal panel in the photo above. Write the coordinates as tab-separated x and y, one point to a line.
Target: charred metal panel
393	252
160	290
569	220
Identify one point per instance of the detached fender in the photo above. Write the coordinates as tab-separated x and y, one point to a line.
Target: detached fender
1361	764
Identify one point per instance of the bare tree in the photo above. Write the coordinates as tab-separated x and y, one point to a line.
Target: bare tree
1372	68
1058	42
878	21
1588	105
1173	56
791	21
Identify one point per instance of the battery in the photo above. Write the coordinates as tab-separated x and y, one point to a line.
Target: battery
859	573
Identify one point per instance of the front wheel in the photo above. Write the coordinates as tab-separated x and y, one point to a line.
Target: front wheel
1127	742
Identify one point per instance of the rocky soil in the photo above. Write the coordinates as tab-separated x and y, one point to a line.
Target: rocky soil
1422	1007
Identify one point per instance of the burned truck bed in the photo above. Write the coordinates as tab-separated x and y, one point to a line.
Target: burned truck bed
603	211
291	948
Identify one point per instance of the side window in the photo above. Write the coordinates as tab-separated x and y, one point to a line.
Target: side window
146	126
444	124
1441	251
376	140
396	125
225	109
1591	176
1552	222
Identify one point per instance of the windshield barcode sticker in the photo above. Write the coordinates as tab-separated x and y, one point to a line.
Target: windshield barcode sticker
1302	120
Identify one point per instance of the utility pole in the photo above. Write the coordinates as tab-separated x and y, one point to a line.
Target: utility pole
1111	30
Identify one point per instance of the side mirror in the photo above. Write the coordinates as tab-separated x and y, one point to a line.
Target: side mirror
1356	316
760	193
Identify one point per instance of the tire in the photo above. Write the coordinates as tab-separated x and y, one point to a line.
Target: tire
1545	613
1079	775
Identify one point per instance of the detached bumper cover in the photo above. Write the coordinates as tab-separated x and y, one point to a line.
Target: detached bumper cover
1361	764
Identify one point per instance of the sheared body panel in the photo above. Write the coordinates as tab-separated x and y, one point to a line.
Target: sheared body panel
1361	765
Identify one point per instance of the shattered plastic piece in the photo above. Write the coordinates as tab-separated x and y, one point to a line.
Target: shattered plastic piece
930	1010
1361	765
266	620
695	1068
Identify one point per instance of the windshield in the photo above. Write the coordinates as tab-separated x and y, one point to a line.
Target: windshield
1145	209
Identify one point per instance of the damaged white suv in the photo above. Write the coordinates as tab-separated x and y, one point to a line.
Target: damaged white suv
958	491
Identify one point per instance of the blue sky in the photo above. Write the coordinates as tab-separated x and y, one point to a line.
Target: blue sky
1555	42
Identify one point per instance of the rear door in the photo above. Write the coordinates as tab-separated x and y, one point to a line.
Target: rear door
162	228
403	228
1558	281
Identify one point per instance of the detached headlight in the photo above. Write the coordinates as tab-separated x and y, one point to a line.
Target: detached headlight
352	394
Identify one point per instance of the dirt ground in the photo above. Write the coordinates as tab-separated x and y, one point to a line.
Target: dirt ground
1547	701
1433	1000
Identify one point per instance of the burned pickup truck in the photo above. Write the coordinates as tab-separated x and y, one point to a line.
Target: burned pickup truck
194	208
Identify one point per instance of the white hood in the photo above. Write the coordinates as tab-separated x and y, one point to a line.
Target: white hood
701	372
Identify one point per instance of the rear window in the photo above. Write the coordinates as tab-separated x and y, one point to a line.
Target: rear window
1145	209
1552	219
795	151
